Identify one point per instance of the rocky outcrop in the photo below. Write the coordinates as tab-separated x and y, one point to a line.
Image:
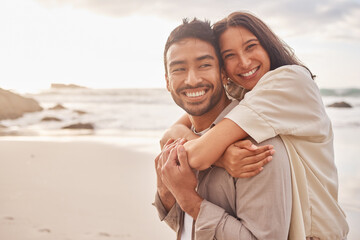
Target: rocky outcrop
57	107
80	112
80	126
13	106
50	119
340	105
61	85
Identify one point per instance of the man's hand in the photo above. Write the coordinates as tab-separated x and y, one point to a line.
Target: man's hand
165	195
243	159
181	181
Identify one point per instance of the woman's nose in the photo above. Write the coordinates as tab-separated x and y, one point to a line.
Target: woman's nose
244	61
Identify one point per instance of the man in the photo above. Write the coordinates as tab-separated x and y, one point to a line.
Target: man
211	204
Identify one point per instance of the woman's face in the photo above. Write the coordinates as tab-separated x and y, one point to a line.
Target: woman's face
246	61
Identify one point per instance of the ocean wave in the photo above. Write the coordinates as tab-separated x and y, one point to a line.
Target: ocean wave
139	109
340	92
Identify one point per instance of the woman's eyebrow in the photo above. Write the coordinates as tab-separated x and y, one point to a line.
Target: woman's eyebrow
247	42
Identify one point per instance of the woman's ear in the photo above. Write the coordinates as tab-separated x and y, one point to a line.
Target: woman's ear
223	76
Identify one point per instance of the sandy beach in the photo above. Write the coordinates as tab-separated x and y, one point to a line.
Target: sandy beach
82	189
77	190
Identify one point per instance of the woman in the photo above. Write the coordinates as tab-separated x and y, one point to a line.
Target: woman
282	99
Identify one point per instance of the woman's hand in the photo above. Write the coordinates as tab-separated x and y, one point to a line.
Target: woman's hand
243	159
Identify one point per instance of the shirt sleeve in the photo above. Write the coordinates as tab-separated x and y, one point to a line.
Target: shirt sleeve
172	218
285	101
263	204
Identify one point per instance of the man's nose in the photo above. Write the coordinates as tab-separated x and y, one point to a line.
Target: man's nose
192	77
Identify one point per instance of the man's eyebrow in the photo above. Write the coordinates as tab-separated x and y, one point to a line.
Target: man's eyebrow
173	63
247	42
205	57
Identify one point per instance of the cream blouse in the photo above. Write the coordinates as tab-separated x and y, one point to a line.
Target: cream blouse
287	102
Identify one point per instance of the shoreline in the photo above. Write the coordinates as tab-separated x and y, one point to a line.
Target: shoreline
77	187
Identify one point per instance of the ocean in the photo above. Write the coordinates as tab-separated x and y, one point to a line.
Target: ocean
118	111
139	116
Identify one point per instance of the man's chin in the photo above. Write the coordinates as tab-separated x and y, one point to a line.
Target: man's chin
197	111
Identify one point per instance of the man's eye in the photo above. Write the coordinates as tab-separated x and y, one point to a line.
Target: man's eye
205	65
178	70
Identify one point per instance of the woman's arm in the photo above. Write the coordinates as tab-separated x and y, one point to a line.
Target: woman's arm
206	150
180	129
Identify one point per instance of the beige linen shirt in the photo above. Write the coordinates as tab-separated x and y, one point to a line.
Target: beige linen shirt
287	102
240	208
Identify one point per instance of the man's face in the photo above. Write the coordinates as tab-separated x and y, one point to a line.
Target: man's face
194	78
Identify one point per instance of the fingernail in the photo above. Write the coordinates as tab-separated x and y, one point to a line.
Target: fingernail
269	158
272	152
181	148
253	146
261	169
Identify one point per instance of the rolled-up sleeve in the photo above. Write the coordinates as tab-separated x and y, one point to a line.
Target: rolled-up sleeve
172	218
285	101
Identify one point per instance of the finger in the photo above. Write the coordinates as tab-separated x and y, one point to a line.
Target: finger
170	144
256	155
262	149
169	141
157	159
165	154
182	141
257	158
257	165
182	156
172	158
247	144
250	174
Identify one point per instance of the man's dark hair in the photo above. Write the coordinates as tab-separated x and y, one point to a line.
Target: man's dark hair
194	29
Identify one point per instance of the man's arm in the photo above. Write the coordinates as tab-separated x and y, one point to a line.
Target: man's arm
165	202
263	203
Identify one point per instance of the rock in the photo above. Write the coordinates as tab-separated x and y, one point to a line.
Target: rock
79	126
13	105
48	119
80	112
60	85
340	105
57	107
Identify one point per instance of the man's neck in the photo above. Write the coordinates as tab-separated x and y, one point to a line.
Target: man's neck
204	121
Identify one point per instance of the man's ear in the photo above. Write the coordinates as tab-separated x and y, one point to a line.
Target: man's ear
167	82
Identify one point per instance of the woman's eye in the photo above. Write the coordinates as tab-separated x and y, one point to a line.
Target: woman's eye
228	55
250	46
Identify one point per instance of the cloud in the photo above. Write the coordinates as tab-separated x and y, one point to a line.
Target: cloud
331	18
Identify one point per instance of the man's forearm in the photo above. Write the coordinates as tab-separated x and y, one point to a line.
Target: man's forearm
167	199
190	203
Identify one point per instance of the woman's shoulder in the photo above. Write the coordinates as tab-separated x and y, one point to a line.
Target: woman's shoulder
289	71
292	75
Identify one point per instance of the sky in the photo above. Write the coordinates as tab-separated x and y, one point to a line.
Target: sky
119	44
